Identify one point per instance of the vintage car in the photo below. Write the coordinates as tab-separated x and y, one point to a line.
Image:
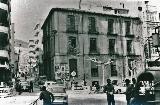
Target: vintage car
25	86
59	92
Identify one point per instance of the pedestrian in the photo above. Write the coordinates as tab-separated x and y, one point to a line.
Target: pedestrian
19	89
129	89
136	97
97	87
109	90
47	96
31	86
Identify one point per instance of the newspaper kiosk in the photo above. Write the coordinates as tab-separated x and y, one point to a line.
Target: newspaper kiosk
150	86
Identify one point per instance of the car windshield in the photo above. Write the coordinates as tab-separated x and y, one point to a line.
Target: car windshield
57	89
24	83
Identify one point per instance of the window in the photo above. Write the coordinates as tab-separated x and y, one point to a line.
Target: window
71	23
93	45
37	41
111	46
94	69
4	1
72	44
110	26
127	27
130	65
73	66
92	25
129	46
113	68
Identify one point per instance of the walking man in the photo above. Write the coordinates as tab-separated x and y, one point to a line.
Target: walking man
109	90
47	96
129	90
31	86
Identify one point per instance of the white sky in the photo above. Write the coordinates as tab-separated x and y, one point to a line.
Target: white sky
26	13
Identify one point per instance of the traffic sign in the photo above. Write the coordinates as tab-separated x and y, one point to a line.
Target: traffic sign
73	73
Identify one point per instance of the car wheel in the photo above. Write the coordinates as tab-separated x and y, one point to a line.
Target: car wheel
118	91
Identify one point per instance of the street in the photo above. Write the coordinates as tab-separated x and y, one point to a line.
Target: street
27	98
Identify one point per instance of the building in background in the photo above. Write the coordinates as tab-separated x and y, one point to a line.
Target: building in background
5	36
36	50
21	57
74	39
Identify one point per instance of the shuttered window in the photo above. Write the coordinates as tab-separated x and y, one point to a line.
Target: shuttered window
110	26
94	69
71	23
111	46
93	45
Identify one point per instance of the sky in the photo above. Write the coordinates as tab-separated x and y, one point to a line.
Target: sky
27	13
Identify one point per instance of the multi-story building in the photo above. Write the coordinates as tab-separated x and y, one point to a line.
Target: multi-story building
74	39
38	49
21	57
5	9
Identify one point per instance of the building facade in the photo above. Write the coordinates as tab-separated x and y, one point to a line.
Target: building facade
73	39
5	21
37	50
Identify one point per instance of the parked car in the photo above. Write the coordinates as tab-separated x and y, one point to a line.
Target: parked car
41	81
49	84
120	89
25	86
60	95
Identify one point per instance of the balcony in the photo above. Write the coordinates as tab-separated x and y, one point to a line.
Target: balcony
4	53
3	29
72	29
130	35
93	30
72	51
3	6
112	34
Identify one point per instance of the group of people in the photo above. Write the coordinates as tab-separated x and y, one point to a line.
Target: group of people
132	93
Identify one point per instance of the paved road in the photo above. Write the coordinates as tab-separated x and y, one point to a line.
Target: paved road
74	99
94	99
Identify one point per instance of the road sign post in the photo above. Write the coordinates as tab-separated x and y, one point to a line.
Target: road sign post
73	74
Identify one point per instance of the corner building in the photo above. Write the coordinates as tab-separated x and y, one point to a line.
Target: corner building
73	39
5	21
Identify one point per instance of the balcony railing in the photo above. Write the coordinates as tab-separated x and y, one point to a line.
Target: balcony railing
4	29
112	34
71	29
4	53
130	35
93	30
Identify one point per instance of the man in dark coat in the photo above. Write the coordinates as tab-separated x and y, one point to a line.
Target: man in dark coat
31	86
47	96
129	90
109	90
